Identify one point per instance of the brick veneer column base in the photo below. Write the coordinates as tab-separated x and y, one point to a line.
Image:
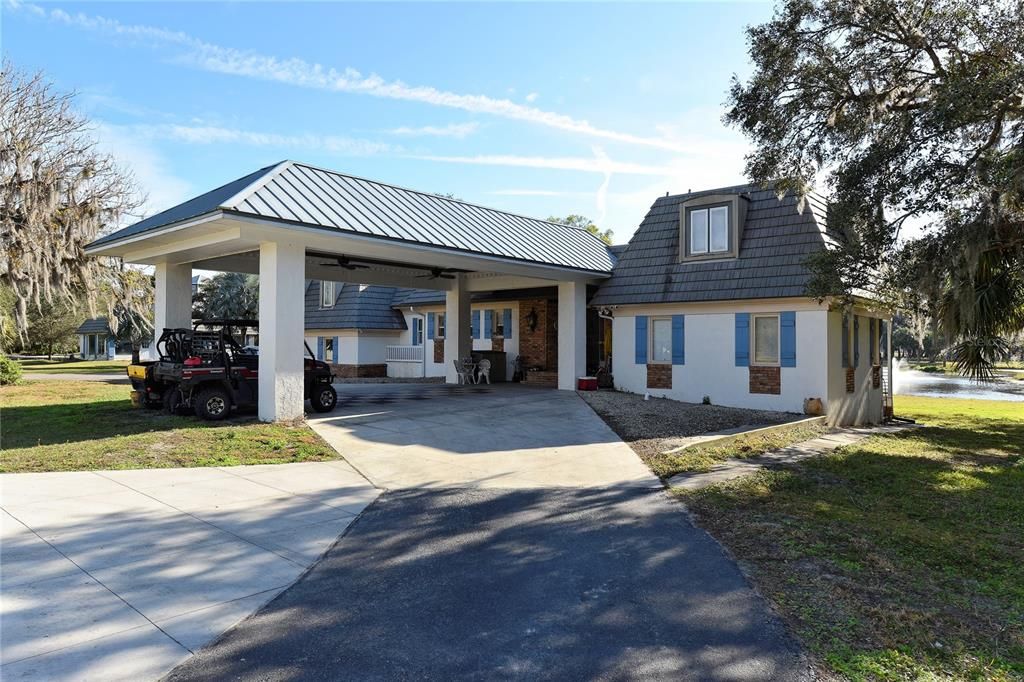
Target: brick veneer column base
876	377
851	380
439	350
659	376
359	371
766	380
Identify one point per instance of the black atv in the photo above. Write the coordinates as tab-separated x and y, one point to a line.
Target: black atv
205	371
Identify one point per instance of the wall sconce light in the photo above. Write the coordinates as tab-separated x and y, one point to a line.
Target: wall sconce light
532	320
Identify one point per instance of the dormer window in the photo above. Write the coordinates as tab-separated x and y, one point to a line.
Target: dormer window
327	294
711	226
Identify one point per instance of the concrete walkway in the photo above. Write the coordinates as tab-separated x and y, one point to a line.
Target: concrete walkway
736	468
120	575
501	436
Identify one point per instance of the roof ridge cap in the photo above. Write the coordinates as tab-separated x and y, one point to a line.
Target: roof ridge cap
255	185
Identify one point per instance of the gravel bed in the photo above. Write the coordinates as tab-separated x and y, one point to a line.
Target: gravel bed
653	426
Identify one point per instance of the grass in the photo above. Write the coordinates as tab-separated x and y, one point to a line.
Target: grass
900	557
83	425
704	457
73	366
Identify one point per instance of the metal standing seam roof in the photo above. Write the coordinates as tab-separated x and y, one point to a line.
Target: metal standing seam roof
299	193
772	263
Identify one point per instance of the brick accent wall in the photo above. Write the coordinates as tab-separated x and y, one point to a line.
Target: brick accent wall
851	380
438	350
359	371
659	376
498	343
876	377
542	378
766	380
539	348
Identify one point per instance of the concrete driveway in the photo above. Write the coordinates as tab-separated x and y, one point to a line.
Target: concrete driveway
501	436
519	539
120	575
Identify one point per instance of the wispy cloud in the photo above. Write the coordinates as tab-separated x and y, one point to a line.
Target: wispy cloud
532	97
456	130
529	193
207	134
574	163
299	72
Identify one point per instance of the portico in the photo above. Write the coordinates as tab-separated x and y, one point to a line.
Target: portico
291	222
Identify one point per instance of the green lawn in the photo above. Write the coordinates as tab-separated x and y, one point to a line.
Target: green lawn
73	366
81	425
900	557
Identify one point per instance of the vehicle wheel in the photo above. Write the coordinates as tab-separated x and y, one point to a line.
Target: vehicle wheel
152	404
213	404
172	401
324	398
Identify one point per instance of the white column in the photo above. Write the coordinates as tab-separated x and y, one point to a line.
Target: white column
458	342
282	277
173	297
572	333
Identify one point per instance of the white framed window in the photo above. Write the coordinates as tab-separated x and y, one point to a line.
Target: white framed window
329	355
661	341
765	340
417	331
709	230
439	332
327	294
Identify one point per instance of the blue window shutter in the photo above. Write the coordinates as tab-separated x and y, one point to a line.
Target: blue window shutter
856	341
678	340
506	322
475	324
430	325
417	326
319	348
846	340
787	339
743	339
641	340
872	339
488	323
337	352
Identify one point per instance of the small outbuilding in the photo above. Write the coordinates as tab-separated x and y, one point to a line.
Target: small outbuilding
95	340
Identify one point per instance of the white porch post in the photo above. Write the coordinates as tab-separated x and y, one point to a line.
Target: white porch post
572	333
458	342
173	298
282	278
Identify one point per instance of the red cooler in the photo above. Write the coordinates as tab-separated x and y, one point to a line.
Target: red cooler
586	383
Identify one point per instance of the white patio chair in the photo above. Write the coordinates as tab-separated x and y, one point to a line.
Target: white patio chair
483	371
464	371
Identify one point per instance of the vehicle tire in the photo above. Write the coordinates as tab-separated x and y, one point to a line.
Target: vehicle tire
213	404
324	398
152	404
172	401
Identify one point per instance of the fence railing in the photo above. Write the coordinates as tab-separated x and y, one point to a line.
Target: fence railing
403	354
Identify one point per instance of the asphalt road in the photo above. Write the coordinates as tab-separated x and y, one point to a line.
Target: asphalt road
563	584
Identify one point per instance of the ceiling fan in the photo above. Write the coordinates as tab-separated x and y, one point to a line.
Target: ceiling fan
343	262
437	273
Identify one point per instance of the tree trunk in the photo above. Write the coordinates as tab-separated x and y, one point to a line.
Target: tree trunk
135	354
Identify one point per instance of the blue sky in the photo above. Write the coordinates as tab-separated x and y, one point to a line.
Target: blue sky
535	108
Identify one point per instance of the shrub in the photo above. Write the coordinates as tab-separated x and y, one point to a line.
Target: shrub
10	371
706	400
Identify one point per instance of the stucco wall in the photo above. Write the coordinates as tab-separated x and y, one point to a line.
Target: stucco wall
864	405
710	368
437	369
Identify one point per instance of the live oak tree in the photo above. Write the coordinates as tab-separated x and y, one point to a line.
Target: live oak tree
910	113
584	223
228	295
58	192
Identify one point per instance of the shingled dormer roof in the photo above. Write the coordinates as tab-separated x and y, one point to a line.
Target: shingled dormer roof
776	240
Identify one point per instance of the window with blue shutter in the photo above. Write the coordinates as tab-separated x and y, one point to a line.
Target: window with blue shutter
872	340
856	341
417	331
430	325
319	348
474	325
506	323
787	339
678	340
337	351
488	323
641	340
743	339
846	340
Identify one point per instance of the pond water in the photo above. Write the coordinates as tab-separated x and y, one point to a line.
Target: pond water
914	382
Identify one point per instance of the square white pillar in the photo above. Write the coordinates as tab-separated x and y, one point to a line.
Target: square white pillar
458	342
282	326
572	333
173	297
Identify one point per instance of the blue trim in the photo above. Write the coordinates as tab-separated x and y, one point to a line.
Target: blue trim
474	324
678	340
641	340
506	322
337	351
787	339
319	348
846	341
488	323
856	341
430	325
872	340
743	339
